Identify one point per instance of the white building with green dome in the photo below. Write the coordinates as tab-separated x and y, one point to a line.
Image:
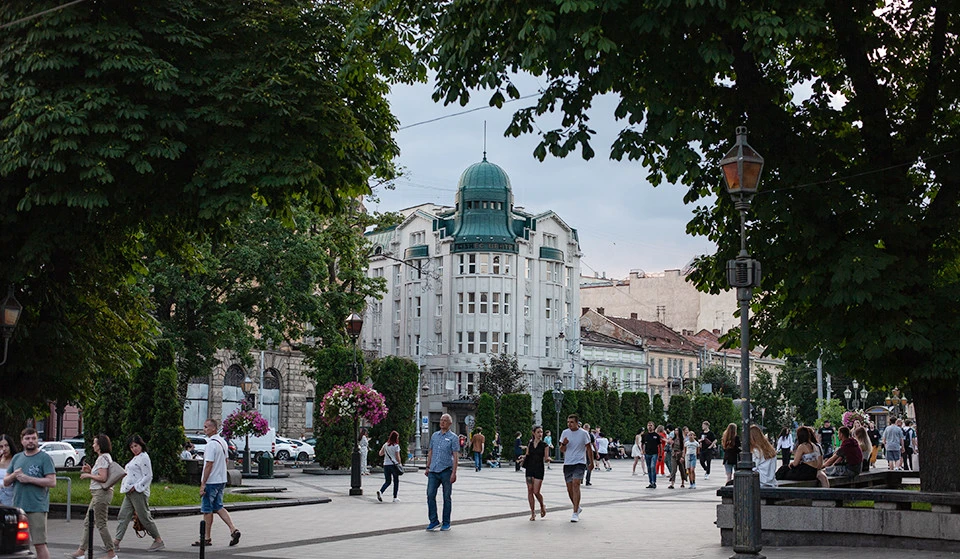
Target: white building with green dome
481	278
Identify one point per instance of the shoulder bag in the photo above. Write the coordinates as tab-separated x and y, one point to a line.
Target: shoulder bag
114	474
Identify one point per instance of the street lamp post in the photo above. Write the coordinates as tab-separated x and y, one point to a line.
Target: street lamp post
9	316
557	402
895	400
354	325
246	386
741	172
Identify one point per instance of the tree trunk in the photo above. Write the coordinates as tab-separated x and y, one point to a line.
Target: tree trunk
938	415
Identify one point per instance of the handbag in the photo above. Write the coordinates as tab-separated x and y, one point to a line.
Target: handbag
393	463
114	474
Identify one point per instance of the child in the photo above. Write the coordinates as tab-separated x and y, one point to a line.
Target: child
692	446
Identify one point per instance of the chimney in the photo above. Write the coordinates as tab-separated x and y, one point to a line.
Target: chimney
600	310
716	331
633	315
583	310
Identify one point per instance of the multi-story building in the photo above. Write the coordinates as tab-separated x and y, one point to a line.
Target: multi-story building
481	278
672	359
621	364
665	297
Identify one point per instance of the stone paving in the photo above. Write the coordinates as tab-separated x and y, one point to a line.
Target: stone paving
490	519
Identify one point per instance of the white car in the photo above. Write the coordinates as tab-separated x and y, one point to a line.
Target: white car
63	454
293	448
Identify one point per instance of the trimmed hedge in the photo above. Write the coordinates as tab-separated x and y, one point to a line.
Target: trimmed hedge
516	415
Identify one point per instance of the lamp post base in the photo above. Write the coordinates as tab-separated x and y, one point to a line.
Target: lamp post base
746	514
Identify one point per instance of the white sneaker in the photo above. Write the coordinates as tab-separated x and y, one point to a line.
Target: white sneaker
706	476
396	499
575	518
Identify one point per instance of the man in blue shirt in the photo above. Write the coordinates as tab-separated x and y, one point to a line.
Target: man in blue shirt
441	470
32	474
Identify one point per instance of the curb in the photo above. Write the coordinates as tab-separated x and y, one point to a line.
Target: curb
59	510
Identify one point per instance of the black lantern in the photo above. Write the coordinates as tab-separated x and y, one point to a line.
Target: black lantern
9	317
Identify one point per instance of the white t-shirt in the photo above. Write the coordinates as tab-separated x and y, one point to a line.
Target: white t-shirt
691	447
214	452
577	442
766	467
603	445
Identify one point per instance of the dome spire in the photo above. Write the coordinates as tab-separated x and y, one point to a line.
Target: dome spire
484	140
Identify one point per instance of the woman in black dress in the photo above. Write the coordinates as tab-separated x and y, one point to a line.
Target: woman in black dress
536	455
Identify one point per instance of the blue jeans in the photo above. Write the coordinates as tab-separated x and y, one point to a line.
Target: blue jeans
391	475
434	481
651	460
478	460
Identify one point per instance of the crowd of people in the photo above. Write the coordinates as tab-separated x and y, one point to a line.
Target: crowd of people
663	451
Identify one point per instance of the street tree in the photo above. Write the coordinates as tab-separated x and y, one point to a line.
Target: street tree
766	400
499	376
855	108
723	381
133	126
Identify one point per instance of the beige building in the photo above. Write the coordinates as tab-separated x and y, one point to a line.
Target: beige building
282	392
665	297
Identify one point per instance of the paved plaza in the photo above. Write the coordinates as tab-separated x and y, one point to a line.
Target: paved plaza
490	519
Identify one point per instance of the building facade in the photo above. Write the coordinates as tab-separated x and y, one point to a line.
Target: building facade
481	278
665	297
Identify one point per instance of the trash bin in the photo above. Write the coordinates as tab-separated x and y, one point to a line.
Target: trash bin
265	466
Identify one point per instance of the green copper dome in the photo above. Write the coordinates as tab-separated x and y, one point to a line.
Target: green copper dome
484	210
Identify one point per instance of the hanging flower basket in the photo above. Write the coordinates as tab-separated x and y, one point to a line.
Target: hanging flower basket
353	398
850	416
244	421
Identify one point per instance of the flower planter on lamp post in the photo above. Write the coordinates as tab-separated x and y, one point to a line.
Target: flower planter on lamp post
354	325
741	172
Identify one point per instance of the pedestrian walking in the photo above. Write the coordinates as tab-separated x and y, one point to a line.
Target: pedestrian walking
909	442
441	471
363	441
477	444
536	454
592	451
638	452
731	448
213	481
100	497
678	461
893	444
708	445
603	450
135	487
392	466
32	474
7	450
661	452
548	438
577	457
874	435
785	445
866	447
651	448
691	448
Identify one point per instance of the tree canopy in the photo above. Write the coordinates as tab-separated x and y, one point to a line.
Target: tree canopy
854	105
130	129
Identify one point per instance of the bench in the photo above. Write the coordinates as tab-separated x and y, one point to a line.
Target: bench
797	515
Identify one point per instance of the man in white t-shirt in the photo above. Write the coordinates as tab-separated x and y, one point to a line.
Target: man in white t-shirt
213	481
577	457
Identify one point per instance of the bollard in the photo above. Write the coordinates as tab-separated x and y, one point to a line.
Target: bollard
90	522
69	491
203	536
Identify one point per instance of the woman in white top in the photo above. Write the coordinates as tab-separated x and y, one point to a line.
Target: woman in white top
364	443
638	452
100	497
391	465
136	494
7	450
785	445
764	457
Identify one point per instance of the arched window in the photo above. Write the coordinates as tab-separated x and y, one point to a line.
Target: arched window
196	405
232	393
270	398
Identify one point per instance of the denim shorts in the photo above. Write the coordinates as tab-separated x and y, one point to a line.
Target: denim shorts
691	461
892	455
212	499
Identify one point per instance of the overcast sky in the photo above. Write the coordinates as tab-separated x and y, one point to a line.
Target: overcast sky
623	222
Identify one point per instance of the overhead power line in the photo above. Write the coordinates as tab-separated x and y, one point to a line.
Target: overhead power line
38	14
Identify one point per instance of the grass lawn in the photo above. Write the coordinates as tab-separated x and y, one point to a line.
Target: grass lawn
869	505
161	494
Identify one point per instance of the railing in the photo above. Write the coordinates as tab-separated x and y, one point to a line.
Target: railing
69	493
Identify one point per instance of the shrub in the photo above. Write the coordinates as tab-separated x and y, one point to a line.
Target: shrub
515	415
166	431
396	379
487	420
331	366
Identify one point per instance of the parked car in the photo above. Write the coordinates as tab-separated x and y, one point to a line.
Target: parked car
258	445
78	444
293	448
200	445
64	455
305	451
14	534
